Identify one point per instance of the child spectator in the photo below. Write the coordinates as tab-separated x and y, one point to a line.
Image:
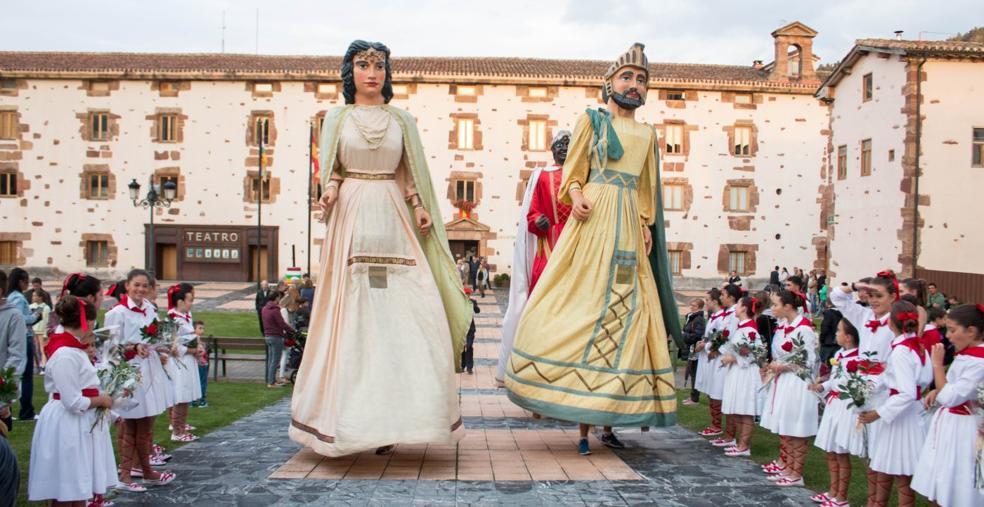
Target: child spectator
202	363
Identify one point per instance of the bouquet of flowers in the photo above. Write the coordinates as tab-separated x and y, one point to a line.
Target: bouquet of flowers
169	332
8	386
858	390
151	333
718	339
796	355
118	378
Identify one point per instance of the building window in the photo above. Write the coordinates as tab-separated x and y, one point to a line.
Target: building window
167	128
977	158
466	91
254	187
676	262
327	88
8	125
464	190
8	184
266	88
8	252
674	139
537	140
673	197
867	90
842	162
743	140
866	157
96	253
99	126
736	262
537	92
675	95
466	133
400	89
738	199
743	98
261	130
97	186
891	155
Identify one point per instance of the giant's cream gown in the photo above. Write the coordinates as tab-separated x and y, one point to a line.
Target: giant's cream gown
378	365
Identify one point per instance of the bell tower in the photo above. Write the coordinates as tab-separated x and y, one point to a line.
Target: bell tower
794	53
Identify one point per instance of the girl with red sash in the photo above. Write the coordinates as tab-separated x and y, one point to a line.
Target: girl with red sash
946	469
135	320
793	407
838	434
704	372
894	449
72	457
739	401
187	386
717	375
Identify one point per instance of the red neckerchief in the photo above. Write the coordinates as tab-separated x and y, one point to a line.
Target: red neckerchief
873	325
930	337
175	315
59	340
749	325
912	343
802	323
125	302
975	351
718	315
853	353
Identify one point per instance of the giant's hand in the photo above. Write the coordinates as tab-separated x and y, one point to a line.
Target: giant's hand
423	219
581	208
328	199
647	238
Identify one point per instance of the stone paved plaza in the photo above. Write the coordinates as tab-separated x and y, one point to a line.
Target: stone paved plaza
507	458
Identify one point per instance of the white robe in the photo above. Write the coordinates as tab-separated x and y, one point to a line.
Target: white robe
742	378
702	381
155	390
794	413
838	431
187	384
519	285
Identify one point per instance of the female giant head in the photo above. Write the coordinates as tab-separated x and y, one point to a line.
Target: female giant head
366	72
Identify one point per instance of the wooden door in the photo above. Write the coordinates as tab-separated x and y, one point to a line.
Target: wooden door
264	264
168	262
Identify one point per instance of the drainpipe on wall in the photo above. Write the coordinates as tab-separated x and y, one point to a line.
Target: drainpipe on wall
915	223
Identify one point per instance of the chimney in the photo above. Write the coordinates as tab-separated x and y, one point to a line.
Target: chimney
757	64
898	35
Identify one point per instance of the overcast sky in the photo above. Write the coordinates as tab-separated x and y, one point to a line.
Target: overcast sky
687	31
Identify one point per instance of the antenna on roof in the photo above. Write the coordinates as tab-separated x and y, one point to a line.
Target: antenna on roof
898	35
223	31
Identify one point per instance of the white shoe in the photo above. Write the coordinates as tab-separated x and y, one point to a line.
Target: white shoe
723	443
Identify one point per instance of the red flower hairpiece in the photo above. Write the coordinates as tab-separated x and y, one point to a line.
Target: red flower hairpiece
904	317
111	290
980	307
80	276
895	281
170	293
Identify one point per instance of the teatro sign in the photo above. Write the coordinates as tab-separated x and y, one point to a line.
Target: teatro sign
206	236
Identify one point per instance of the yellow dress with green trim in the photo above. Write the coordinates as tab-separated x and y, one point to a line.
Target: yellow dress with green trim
591	345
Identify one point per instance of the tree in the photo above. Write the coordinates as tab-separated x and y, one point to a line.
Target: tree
974	35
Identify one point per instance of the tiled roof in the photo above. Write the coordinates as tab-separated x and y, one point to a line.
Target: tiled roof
927	48
233	66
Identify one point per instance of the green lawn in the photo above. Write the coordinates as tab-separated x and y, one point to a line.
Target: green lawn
765	448
229	324
227	402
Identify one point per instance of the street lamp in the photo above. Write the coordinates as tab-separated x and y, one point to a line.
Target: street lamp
153	200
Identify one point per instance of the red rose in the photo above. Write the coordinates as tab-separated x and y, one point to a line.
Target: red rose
788	346
726	333
852	366
752	336
152	329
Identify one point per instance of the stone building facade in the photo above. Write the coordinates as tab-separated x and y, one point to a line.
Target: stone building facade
745	151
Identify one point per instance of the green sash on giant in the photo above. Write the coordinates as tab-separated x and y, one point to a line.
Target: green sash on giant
457	306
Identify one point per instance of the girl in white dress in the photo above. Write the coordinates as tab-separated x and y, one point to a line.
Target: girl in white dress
743	378
71	460
704	372
135	319
729	324
838	435
767	409
894	449
946	468
793	404
184	354
872	324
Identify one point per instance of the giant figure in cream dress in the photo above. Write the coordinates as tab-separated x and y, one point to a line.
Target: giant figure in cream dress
388	322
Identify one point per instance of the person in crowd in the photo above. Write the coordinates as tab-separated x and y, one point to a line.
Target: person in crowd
483	278
828	335
260	301
37	286
742	380
894	449
9	471
935	298
462	266
72	459
275	328
729	299
945	470
734	279
794	407
187	387
952	302
468	353
783	276
774	277
821	278
307	287
202	356
838	435
707	367
135	319
13	343
915	287
812	294
38	306
693	332
473	265
17	283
